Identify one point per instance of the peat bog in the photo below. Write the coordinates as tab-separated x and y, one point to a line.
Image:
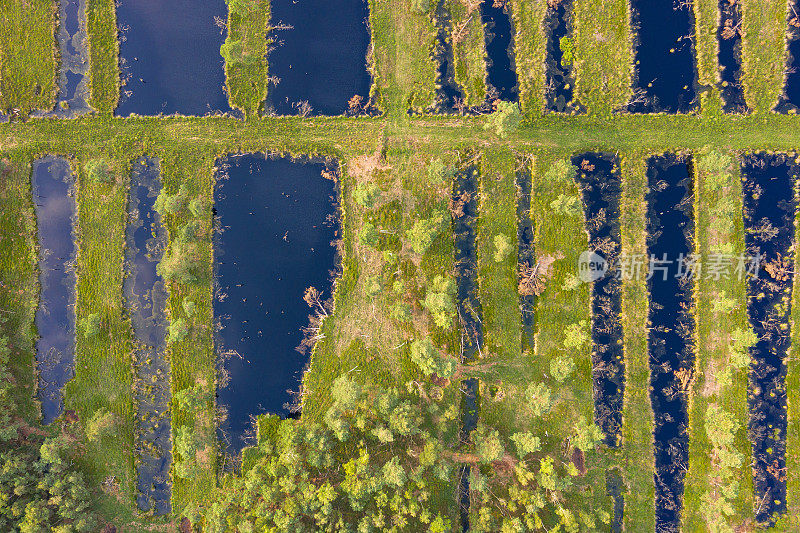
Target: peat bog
665	71
790	99
146	297
318	60
466	202
170	60
276	223
729	38
526	253
770	204
501	77
73	80
600	183
54	202
560	79
670	241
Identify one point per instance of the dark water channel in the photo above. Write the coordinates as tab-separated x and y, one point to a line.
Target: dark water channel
729	37
145	298
470	313
670	237
526	252
54	200
600	182
560	79
449	95
276	220
769	213
319	57
666	74
499	42
169	57
790	100
73	80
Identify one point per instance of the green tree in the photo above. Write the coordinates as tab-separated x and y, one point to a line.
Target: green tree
561	368
526	443
99	171
178	330
567	205
506	119
425	355
586	435
539	398
423	232
366	194
488	445
440	301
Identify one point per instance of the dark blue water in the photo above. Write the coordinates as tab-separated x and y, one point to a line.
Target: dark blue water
470	313
54	200
322	58
729	37
276	220
615	487
768	182
560	80
499	42
169	57
145	299
665	64
601	187
526	252
670	233
790	100
449	95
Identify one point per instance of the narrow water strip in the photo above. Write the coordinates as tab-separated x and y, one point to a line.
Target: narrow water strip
73	79
600	183
499	42
276	223
670	344
470	313
666	71
729	37
146	298
790	99
54	200
560	87
449	95
526	253
770	204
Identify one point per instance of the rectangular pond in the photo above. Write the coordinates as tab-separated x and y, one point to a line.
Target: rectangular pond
170	58
666	74
54	201
145	300
319	57
770	204
501	76
560	79
670	340
276	220
729	37
601	187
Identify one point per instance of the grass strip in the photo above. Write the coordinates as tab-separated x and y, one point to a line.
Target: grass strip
763	53
530	44
101	23
707	19
245	53
29	55
603	49
637	417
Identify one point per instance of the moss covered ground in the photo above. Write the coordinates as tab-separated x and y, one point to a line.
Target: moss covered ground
394	151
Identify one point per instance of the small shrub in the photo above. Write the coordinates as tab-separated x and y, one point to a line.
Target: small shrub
561	368
189	307
422	7
539	397
366	194
430	361
401	312
526	443
178	330
200	207
99	424
172	204
98	171
180	263
369	236
91	325
576	335
502	248
567	206
586	435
